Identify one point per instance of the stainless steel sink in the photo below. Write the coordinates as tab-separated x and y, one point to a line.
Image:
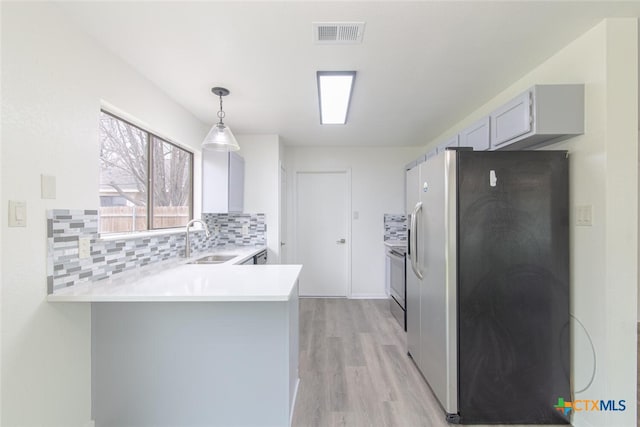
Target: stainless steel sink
213	259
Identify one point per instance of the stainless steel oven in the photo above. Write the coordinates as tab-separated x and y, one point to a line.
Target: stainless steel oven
397	277
259	258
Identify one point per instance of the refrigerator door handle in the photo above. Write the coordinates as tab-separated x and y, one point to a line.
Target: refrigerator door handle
414	238
411	248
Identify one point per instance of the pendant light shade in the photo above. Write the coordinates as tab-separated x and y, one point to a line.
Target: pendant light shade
220	137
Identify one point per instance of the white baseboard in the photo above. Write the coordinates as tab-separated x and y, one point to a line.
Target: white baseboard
353	296
368	296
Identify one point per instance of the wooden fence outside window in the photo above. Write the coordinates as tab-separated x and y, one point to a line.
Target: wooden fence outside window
121	219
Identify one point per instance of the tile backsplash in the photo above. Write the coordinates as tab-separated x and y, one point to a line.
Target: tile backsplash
395	227
113	256
228	228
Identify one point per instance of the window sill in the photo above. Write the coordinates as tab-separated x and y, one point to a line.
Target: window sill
143	234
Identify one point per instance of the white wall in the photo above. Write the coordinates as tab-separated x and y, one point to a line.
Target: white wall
603	173
53	80
1	230
377	187
262	184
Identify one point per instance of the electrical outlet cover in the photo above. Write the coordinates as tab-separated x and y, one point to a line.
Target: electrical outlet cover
84	247
584	215
48	186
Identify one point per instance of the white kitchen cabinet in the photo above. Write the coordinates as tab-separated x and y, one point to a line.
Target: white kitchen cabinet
430	154
511	120
542	114
451	142
476	136
236	183
222	182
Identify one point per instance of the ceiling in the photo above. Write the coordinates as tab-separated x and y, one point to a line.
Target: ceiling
421	66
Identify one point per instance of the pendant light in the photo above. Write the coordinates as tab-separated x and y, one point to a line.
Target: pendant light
220	137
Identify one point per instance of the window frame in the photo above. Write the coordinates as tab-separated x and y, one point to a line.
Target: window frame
149	135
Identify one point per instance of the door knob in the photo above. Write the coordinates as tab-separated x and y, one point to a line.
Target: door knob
341	241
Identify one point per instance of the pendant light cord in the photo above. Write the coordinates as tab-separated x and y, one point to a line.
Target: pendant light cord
221	112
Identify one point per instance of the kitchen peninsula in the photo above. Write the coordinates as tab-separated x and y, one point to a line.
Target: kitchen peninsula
194	345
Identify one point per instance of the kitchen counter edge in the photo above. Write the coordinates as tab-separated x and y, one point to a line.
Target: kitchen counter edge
183	282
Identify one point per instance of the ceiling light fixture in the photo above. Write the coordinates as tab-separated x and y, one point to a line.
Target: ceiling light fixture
220	137
334	94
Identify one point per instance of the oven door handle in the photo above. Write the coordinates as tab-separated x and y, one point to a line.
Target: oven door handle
392	253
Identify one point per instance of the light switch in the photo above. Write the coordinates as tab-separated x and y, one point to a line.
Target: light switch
245	229
48	186
17	213
356	215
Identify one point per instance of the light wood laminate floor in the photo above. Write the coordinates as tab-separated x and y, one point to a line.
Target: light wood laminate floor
354	369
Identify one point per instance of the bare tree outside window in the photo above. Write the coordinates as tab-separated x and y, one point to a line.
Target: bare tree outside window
124	179
171	184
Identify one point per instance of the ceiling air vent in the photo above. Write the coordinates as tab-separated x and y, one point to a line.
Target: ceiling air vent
338	32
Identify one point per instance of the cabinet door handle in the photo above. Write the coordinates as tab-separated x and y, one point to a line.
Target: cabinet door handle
341	241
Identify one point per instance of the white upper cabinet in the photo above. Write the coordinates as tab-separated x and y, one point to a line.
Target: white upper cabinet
430	154
236	183
511	120
542	114
476	136
222	182
451	142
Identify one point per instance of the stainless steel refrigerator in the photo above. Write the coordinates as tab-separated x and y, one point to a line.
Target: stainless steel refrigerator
488	283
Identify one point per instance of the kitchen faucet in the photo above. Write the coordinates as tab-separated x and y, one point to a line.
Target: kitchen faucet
187	245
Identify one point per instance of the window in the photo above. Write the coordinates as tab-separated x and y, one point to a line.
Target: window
146	182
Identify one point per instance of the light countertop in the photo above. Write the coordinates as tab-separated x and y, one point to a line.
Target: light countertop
395	244
175	280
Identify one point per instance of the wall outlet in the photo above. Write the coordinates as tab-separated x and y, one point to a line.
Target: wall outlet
84	247
48	186
584	215
245	229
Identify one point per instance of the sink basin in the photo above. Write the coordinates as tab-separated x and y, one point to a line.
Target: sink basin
213	259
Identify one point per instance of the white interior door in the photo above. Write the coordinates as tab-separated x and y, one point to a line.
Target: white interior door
321	233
